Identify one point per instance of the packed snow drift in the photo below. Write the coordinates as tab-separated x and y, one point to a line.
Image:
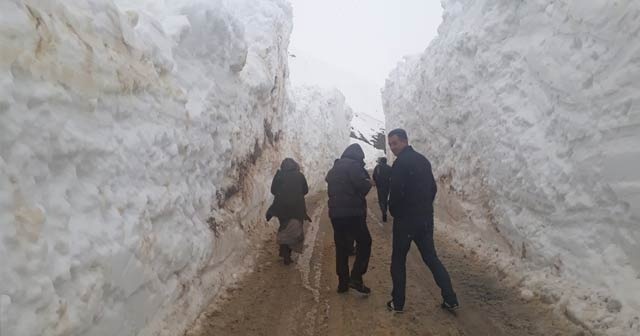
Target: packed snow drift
137	143
532	111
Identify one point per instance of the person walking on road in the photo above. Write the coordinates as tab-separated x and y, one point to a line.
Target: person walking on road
382	179
412	192
289	187
348	185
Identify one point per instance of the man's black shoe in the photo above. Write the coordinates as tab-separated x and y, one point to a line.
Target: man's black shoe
392	308
343	288
360	287
450	306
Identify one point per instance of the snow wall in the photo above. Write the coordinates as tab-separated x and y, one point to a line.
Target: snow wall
138	140
530	110
314	131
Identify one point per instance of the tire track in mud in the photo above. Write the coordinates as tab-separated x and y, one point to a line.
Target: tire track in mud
303	262
310	266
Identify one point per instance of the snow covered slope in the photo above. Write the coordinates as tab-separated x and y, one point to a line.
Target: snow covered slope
368	130
137	143
531	110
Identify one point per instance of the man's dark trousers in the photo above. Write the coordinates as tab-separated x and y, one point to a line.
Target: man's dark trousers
383	198
420	231
345	231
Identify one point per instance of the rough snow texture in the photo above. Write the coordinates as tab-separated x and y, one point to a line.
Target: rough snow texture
532	111
137	143
316	131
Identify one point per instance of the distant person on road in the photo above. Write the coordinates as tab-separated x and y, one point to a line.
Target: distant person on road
352	242
348	186
289	186
382	178
412	192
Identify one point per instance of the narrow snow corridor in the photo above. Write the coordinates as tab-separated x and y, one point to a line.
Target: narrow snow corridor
139	139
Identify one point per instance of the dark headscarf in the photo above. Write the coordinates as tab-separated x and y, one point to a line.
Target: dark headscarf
289	164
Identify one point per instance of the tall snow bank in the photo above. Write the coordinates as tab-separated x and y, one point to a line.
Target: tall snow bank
137	143
531	110
316	131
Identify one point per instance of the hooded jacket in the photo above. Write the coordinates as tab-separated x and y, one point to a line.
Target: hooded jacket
382	175
348	184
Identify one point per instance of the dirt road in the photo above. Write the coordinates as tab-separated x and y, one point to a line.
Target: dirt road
301	299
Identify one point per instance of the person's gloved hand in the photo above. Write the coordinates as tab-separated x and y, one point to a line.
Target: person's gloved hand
269	214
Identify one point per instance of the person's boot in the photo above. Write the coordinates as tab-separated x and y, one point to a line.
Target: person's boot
343	285
286	254
392	308
450	306
384	218
360	287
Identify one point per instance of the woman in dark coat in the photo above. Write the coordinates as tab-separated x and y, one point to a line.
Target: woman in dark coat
289	187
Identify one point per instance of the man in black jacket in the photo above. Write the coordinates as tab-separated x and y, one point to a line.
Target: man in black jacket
382	176
413	190
348	186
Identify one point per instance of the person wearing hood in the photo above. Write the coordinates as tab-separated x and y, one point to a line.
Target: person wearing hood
348	185
352	242
289	186
382	178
